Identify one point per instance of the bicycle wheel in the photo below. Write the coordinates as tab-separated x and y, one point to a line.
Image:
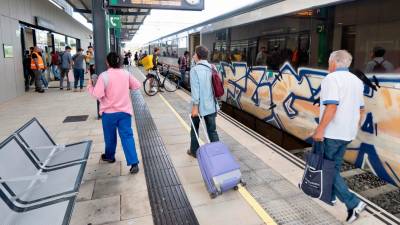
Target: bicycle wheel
150	86
170	83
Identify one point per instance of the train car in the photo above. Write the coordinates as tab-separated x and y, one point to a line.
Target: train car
273	55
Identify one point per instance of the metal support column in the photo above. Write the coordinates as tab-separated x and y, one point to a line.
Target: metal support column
118	45
99	39
99	36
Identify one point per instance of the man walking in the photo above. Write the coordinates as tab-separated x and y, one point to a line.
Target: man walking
55	62
90	60
203	100
342	105
66	65
183	67
37	66
79	71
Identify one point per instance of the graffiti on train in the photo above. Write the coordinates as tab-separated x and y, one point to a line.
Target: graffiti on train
289	100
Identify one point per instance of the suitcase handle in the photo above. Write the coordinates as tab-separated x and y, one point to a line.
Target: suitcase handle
202	125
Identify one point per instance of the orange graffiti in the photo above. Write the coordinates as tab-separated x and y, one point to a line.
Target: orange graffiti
391	127
386	98
305	106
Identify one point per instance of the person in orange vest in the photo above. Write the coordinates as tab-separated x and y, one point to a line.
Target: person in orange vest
37	66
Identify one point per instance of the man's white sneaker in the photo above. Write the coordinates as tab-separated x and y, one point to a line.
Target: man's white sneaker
353	214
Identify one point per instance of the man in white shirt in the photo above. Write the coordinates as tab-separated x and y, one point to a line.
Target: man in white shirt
342	105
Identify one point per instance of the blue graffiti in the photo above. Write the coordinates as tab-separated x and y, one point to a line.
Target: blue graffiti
368	125
240	86
370	151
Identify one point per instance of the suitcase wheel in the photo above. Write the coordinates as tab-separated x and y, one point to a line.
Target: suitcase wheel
213	195
243	183
236	188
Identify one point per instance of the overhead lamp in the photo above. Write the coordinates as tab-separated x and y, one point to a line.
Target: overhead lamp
56	4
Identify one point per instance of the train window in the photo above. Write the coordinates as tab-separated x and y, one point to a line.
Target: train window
371	37
168	48
277	49
163	48
182	46
174	48
307	38
219	52
238	51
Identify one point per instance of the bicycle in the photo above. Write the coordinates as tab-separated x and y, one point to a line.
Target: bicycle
153	83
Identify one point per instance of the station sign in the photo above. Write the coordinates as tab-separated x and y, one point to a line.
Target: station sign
195	5
115	21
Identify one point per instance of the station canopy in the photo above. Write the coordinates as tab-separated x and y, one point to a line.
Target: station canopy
131	18
132	13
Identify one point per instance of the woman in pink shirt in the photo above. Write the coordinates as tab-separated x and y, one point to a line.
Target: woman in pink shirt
112	89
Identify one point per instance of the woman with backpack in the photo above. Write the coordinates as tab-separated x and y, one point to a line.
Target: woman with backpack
204	103
112	89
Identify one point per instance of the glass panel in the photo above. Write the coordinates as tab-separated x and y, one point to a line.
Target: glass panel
59	42
372	38
219	52
41	38
72	44
182	45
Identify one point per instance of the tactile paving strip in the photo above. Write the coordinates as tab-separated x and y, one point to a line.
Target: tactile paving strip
169	203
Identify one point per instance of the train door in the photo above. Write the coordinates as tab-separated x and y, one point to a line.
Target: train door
27	41
349	39
194	40
252	52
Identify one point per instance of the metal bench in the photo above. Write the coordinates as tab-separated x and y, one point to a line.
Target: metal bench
39	184
42	147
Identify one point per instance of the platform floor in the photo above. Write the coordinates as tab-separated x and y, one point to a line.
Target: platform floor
110	195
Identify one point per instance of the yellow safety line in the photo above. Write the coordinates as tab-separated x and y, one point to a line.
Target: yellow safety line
256	206
187	127
242	190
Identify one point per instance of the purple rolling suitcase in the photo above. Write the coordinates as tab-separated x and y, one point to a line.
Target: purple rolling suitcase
218	167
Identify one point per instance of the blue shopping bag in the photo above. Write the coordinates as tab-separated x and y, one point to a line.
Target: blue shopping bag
319	175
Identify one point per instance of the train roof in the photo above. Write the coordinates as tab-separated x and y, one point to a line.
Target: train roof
245	9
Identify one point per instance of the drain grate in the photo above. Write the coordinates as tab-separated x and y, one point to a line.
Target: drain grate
80	118
168	201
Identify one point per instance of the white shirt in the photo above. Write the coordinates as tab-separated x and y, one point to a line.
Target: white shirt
346	91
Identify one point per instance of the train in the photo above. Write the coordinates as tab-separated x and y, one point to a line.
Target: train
272	56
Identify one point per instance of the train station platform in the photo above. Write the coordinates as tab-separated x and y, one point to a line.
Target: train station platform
169	188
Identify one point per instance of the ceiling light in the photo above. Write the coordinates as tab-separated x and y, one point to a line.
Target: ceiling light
56	4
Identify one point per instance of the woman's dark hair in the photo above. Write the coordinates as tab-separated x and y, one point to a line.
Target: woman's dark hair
114	60
202	52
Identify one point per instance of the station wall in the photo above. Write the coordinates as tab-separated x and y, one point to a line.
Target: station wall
12	12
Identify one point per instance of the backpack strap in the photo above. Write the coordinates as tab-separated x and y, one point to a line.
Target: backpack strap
105	78
201	64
